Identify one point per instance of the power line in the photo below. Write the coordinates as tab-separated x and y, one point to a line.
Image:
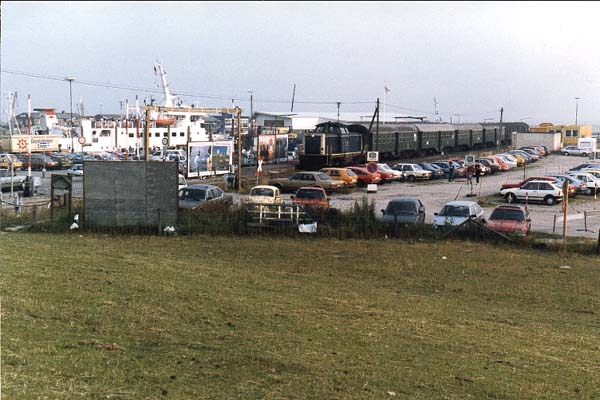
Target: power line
185	94
238	99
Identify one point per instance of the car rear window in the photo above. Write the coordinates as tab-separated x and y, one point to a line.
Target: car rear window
512	215
455	211
262	192
401	207
310	194
193	194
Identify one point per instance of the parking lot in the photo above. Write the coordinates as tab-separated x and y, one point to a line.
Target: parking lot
434	194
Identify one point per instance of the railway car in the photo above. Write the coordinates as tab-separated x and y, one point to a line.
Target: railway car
339	144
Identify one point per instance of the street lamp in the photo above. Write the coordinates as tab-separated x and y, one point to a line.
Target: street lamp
71	79
576	108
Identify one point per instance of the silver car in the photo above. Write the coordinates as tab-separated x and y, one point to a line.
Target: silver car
455	213
574	151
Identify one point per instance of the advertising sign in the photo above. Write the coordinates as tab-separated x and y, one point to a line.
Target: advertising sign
209	158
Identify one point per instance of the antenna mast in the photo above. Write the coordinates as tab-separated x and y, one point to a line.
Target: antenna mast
293	96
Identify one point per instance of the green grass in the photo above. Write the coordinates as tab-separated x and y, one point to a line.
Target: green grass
199	317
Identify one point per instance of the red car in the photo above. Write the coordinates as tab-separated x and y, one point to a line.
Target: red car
572	188
510	219
365	177
312	196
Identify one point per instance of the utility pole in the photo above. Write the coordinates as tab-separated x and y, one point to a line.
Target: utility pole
338	107
565	206
576	108
501	113
377	126
147	137
71	79
239	149
435	104
293	97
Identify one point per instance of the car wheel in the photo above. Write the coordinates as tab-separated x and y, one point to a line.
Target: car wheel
411	178
550	200
584	154
510	198
589	191
566	153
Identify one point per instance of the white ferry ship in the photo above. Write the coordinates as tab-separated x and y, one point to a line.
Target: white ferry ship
173	129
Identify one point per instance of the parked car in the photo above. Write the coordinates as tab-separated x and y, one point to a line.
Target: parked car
365	177
390	173
404	211
579	186
456	212
195	197
510	219
306	178
508	185
311	196
536	190
528	157
63	161
265	194
436	172
181	181
10	179
589	181
75	170
491	168
510	160
342	174
553	179
387	173
586	165
413	172
39	161
574	151
7	160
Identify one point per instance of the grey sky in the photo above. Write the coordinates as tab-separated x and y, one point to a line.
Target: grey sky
533	59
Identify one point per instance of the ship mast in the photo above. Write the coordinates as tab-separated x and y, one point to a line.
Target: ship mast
169	100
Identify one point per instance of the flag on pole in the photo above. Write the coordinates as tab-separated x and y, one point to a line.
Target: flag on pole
385	88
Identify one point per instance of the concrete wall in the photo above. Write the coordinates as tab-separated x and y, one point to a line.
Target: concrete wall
130	193
551	140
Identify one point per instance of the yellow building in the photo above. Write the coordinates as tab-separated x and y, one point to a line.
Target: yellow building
569	133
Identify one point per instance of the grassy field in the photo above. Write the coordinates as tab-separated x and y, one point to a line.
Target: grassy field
196	317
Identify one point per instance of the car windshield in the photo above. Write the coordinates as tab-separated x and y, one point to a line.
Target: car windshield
350	172
505	214
193	194
310	194
262	192
384	167
399	207
323	176
455	211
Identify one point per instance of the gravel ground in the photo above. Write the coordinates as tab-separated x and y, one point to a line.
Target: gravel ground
434	194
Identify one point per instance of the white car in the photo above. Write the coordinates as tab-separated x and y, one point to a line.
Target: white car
574	151
413	172
536	190
265	194
75	170
590	181
456	212
182	182
398	175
